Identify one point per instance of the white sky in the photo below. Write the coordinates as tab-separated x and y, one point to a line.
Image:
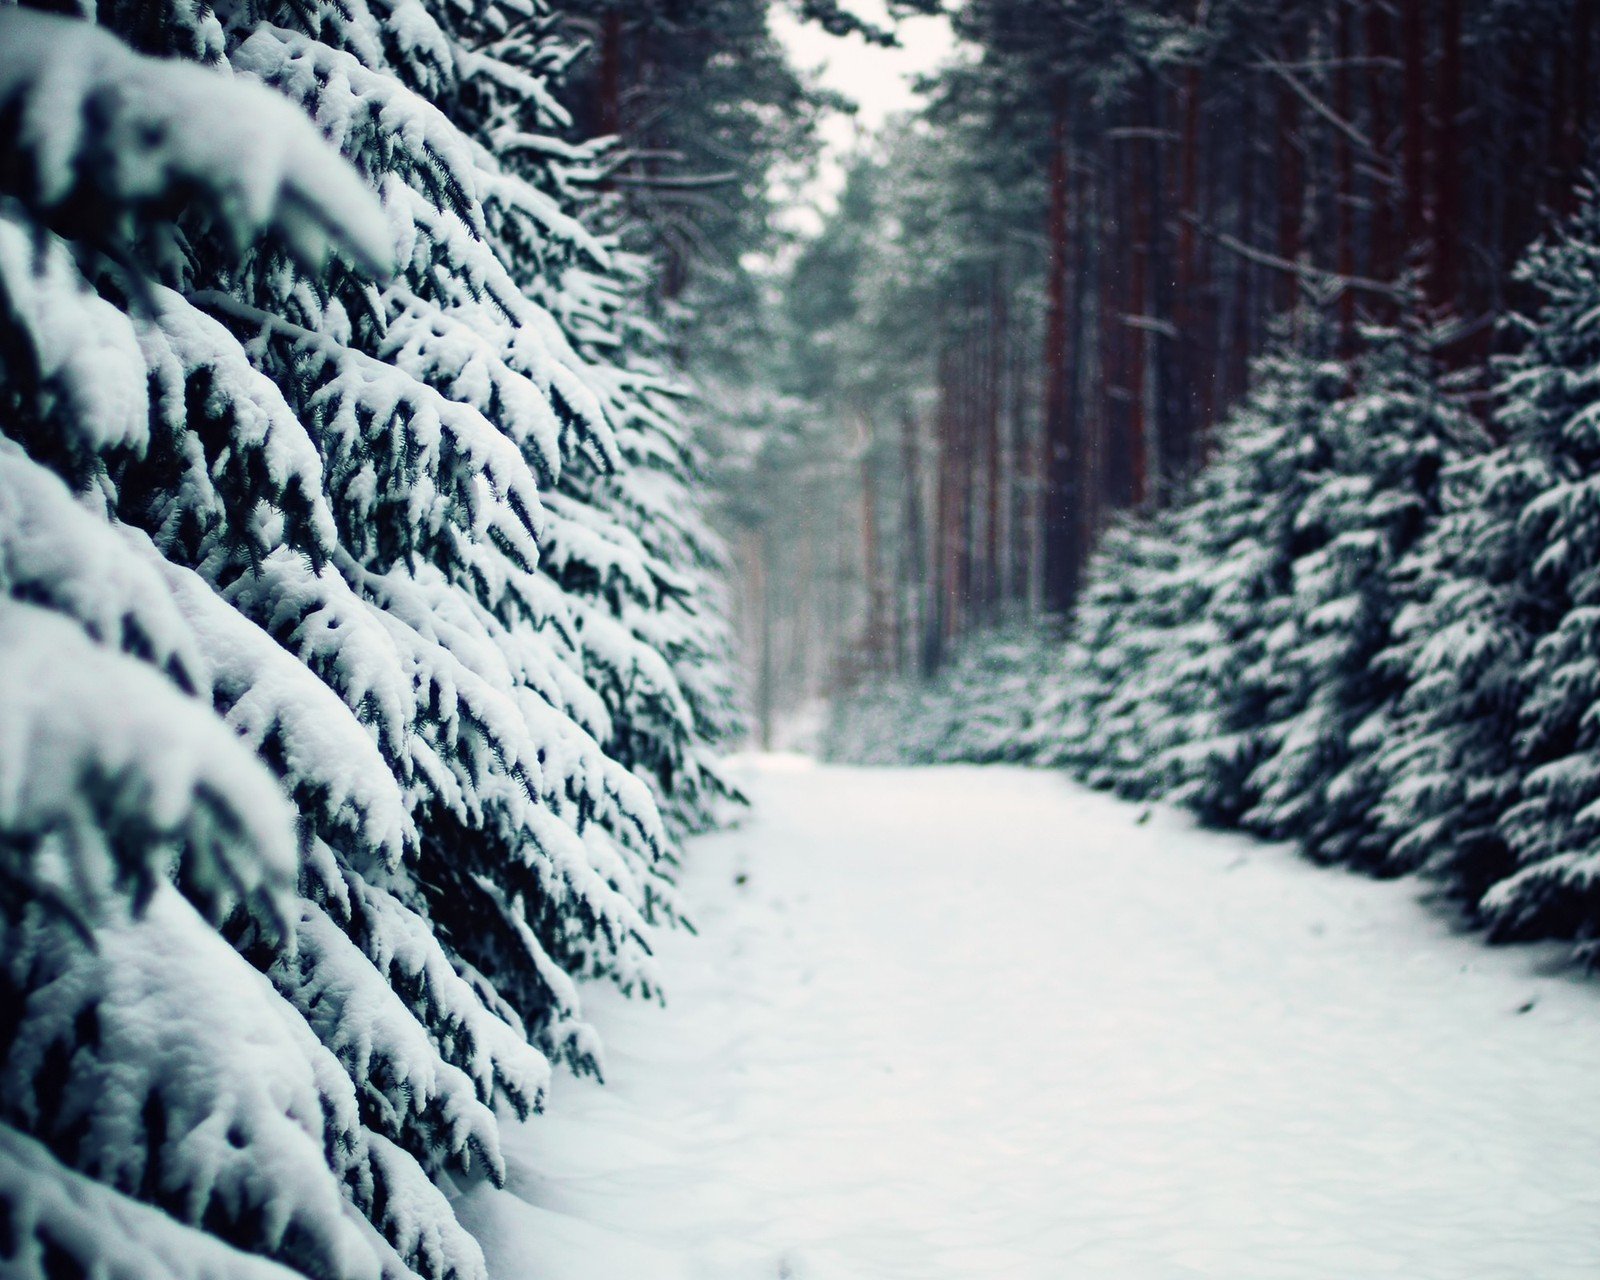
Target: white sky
878	80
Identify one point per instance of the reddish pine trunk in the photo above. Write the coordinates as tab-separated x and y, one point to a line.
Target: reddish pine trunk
966	448
1582	39
610	87
1111	243
1414	88
942	595
1084	428
1571	107
1137	339
1061	550
1188	187
1344	168
1190	354
994	374
954	468
1448	223
1383	255
1291	194
877	641
914	557
1245	301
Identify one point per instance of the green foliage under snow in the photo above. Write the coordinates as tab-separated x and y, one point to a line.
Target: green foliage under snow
1367	627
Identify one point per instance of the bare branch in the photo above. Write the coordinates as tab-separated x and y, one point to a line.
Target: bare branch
1140	132
675	181
1322	109
1327	285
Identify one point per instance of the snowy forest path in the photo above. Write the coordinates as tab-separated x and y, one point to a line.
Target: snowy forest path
981	1024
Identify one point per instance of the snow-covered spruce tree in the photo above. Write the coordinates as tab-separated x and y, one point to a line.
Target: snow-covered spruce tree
1537	558
1459	645
1082	682
240	476
1182	699
978	709
139	1048
1369	500
1237	534
989	695
1162	650
887	720
1104	717
655	634
1164	679
629	545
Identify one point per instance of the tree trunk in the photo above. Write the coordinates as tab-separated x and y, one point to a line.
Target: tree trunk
1062	554
1142	428
759	610
610	86
1189	354
1243	298
994	377
1291	191
1344	179
1448	222
1414	88
876	644
920	637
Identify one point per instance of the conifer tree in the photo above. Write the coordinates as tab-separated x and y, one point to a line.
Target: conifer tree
1170	672
1488	769
1449	765
980	709
281	915
1242	526
651	623
1103	718
1541	485
1367	505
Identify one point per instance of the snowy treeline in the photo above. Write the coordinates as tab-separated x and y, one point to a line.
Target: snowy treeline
361	657
1371	625
1041	293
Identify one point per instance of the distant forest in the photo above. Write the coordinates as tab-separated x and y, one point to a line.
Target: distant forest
1227	389
1038	298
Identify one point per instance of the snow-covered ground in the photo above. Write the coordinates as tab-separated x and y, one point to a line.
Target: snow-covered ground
982	1024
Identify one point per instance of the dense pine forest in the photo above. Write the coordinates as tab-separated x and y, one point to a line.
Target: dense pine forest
431	443
1218	388
1040	298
